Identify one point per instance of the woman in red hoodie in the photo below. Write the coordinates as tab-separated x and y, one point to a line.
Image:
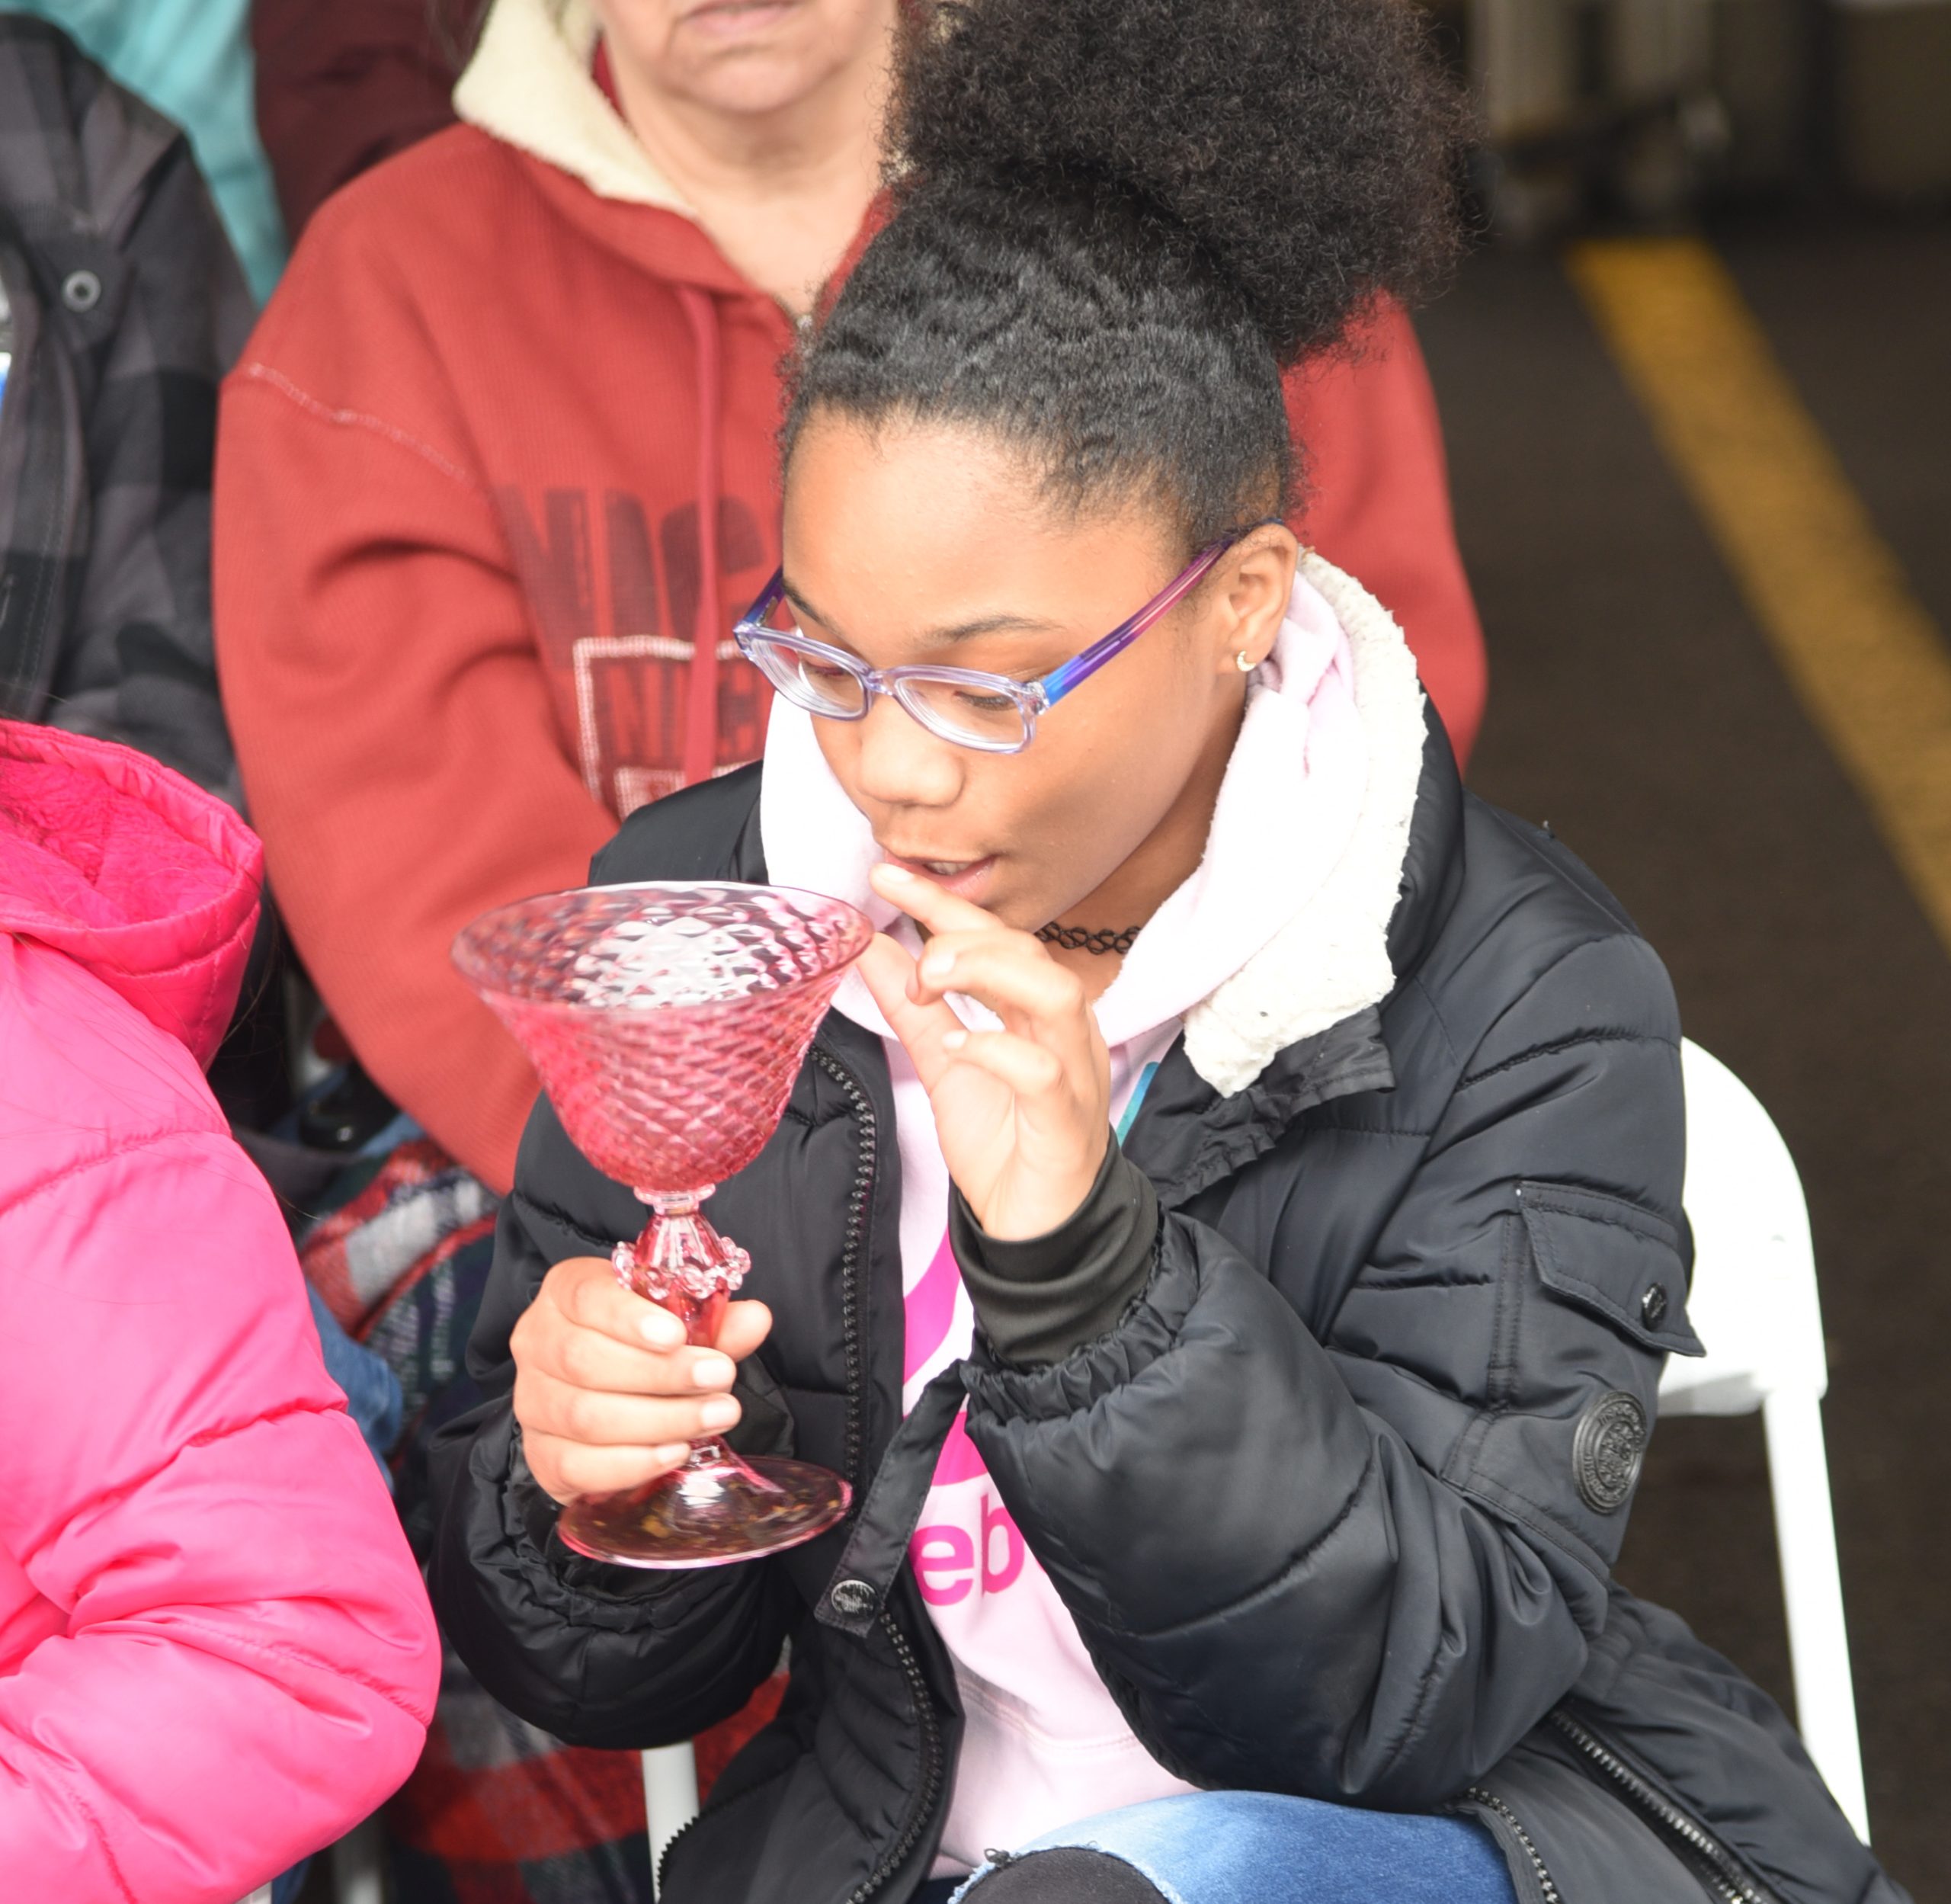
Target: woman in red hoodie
498	468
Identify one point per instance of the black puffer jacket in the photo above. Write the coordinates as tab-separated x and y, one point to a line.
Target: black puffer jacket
1333	1504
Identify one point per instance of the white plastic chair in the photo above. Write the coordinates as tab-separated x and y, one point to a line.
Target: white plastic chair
670	1804
358	1865
1754	1304
670	1797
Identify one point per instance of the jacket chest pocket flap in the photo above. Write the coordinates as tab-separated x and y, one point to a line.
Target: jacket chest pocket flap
1618	1261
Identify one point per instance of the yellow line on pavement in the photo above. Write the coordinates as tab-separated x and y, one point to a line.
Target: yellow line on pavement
1871	667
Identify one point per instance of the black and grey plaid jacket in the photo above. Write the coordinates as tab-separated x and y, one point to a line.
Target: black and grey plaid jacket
127	306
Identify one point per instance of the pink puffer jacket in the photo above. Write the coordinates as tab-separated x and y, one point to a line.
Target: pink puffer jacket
215	1652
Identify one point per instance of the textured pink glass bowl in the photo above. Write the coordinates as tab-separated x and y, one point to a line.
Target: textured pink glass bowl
667	1019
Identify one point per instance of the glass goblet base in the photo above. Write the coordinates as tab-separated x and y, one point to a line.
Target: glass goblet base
715	1509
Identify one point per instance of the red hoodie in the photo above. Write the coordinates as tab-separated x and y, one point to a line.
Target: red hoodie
460	565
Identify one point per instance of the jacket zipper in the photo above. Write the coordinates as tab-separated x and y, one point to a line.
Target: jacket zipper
850	1265
863	1109
1491	1803
1716	1864
932	1767
923	1810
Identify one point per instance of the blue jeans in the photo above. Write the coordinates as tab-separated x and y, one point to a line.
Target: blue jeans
1255	1848
373	1398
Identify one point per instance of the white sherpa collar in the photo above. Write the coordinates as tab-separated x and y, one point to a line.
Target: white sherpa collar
1331	961
529	84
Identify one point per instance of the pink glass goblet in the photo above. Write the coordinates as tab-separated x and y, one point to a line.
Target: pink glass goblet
667	1021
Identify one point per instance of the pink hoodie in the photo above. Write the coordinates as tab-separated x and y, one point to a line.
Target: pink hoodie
215	1652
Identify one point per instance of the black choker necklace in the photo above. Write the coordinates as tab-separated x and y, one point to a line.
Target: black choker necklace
1078	938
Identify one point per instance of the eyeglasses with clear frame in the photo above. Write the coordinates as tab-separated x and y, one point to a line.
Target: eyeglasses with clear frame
993	713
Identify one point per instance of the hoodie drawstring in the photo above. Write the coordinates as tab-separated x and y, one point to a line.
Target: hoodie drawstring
701	709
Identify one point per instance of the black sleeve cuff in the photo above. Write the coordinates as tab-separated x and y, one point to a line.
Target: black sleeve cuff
535	1512
534	1507
1040	1298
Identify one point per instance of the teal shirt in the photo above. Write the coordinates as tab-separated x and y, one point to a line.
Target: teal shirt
191	59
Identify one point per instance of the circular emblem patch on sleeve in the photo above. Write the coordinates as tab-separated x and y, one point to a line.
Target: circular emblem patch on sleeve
1607	1450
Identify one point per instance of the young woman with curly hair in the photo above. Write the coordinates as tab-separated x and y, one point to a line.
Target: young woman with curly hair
1228	1230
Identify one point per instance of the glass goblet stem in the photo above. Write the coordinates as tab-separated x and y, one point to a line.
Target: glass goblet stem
682	1263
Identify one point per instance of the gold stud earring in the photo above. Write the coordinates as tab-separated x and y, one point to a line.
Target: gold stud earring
1245	662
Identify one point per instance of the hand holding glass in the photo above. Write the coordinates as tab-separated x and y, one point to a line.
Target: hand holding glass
667	1021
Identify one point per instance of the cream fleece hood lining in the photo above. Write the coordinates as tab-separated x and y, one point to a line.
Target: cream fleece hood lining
1331	961
530	85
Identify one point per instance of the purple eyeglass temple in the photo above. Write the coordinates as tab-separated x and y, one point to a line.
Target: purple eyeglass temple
1059	681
